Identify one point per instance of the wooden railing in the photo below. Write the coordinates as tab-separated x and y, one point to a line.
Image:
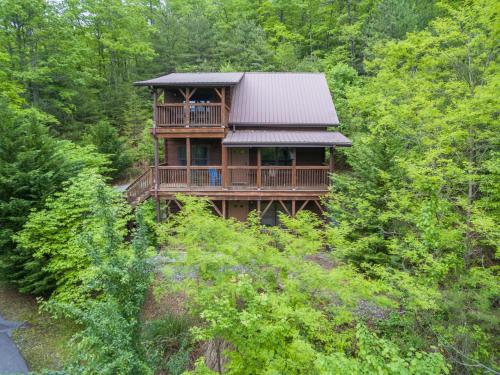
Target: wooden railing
243	177
198	176
172	177
238	178
139	189
195	115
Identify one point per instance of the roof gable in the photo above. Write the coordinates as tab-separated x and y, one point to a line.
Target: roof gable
282	99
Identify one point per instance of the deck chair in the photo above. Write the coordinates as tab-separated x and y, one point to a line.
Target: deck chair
215	177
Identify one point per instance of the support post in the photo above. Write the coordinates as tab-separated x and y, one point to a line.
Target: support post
186	108
224	166
188	161
223	107
293	208
258	207
294	170
157	159
259	164
331	164
165	153
224	208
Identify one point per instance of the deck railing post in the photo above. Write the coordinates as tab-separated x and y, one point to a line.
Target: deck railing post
294	168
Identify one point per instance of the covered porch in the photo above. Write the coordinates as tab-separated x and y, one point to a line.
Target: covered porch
253	163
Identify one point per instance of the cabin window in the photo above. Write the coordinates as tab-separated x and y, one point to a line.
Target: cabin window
199	154
276	156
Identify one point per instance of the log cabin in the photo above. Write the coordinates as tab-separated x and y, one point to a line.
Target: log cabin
245	141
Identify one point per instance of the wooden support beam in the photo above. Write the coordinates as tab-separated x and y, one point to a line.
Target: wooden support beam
223	108
258	206
187	108
267	207
165	151
225	176
293	208
191	93
183	93
294	169
284	207
319	205
331	163
215	207
224	209
167	208
156	183
188	161
219	93
303	205
259	165
178	204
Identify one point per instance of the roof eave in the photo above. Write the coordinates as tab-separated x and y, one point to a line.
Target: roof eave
281	124
197	84
277	144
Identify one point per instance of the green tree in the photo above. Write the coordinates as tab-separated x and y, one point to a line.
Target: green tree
33	166
107	142
426	132
56	261
119	273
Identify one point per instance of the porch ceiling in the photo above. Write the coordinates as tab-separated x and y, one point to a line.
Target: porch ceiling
270	138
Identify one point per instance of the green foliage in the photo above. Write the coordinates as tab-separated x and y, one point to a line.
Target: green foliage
274	296
33	166
381	357
58	262
121	273
107	142
420	199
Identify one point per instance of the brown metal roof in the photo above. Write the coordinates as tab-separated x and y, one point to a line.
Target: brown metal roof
194	79
262	138
282	99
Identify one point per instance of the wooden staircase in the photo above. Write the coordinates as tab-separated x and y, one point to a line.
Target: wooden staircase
140	189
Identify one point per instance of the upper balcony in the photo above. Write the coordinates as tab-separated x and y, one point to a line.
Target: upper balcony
187	110
188	115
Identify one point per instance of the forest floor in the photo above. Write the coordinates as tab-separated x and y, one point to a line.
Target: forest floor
43	340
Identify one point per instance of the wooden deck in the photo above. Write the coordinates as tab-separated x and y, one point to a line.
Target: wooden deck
245	183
